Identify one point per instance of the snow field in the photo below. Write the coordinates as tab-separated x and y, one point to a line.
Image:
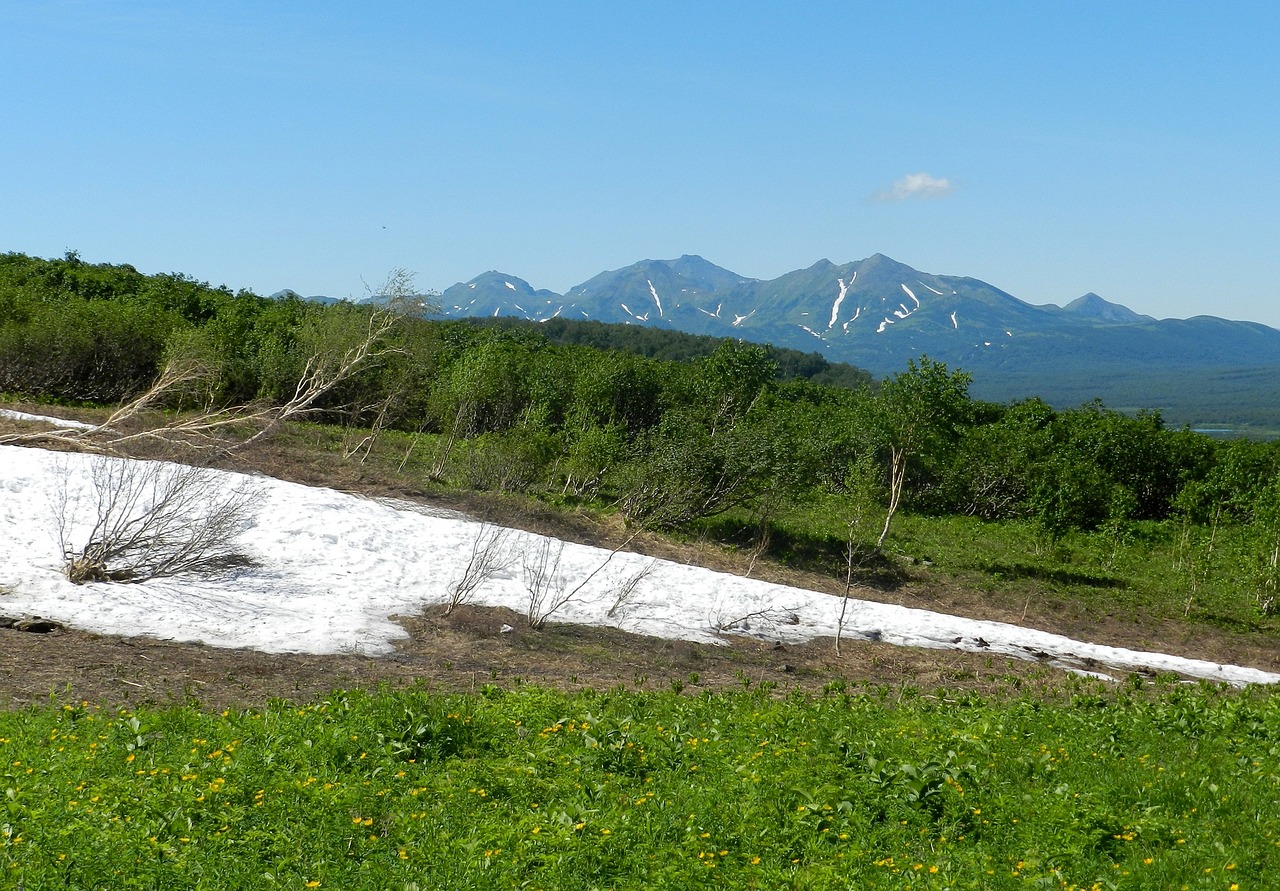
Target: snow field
331	570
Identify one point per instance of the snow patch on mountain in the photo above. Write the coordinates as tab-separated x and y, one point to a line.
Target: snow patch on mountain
654	292
835	307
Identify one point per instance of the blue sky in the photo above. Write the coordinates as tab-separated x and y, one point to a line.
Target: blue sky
1050	149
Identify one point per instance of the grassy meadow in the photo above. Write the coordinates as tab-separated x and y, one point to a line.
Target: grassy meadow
530	788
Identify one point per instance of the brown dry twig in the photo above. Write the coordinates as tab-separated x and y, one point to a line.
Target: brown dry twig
206	430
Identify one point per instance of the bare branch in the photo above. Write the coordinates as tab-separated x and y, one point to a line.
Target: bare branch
767	617
543	581
204	431
628	586
897	474
489	556
151	519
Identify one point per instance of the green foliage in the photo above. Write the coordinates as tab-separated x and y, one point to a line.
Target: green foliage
591	454
1154	790
682	471
667	345
667	443
80	349
923	412
997	464
1264	533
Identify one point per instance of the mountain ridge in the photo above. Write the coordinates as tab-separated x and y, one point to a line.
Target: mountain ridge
878	314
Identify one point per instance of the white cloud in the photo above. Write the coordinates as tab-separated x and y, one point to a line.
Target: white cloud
915	185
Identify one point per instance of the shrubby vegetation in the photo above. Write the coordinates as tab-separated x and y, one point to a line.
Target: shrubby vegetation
683	445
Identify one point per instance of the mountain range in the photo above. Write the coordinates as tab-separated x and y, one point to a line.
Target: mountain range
878	313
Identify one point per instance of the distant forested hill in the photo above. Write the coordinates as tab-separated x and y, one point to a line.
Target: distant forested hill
663	343
878	314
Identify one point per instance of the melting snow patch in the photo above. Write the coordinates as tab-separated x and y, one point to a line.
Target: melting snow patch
954	323
509	285
884	324
60	423
654	292
835	307
935	290
911	295
330	569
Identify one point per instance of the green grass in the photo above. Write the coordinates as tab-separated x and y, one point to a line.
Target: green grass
539	789
1150	571
1146	571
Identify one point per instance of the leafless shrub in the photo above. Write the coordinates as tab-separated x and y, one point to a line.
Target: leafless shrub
627	587
151	519
544	581
489	556
366	442
763	619
129	427
897	475
850	561
548	589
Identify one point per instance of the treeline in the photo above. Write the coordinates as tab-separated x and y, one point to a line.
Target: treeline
667	442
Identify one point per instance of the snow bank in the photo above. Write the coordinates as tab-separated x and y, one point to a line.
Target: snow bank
331	570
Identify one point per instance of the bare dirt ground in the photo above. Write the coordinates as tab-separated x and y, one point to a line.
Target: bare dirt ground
464	653
468	649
